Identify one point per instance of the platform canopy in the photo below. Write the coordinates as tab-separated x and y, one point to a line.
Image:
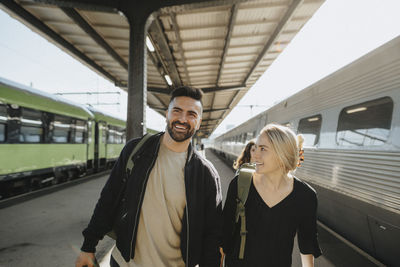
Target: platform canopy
222	47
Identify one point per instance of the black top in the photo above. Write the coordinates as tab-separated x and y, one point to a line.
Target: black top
271	231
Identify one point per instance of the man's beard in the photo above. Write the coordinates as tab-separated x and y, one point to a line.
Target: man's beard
178	136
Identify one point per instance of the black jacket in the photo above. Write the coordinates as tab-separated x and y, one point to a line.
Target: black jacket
119	205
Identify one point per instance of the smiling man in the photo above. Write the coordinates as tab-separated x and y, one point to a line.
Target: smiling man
167	212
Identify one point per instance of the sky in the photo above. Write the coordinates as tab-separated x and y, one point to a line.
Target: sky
339	32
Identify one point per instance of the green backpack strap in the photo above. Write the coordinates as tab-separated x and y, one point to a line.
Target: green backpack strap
244	181
129	167
130	164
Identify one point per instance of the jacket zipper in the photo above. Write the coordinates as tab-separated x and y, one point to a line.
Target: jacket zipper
187	210
141	201
187	238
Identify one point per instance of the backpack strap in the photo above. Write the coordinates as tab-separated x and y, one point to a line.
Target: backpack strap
130	164
244	182
129	167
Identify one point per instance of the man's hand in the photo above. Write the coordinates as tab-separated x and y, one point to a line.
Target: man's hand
86	259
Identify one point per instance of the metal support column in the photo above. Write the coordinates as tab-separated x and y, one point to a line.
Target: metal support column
137	80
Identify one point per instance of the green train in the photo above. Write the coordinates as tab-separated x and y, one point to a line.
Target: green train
46	140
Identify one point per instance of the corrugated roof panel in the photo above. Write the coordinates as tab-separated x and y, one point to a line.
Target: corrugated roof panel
156	101
121	43
235	71
250	40
102	17
47	13
204	44
236	65
90	49
294	25
254	29
205	74
195	41
207	99
65	28
201	61
231	58
203	53
122	52
286	36
202	68
203	33
244	50
99	57
80	40
112	32
114	65
203	19
308	8
261	14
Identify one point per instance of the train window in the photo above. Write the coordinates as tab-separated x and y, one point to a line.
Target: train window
116	135
111	135
103	128
31	130
89	131
80	130
365	124
244	138
61	129
123	136
3	122
310	128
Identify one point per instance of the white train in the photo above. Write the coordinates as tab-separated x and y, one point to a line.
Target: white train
351	123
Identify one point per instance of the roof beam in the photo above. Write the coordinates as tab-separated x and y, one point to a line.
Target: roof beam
206	110
179	41
40	26
233	36
215	110
155	31
209	120
275	34
222	88
232	20
223	26
165	91
94	5
79	20
205	90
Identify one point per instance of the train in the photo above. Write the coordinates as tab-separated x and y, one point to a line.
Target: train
47	140
351	124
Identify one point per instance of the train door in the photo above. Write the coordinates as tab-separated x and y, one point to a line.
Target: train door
102	144
90	145
96	146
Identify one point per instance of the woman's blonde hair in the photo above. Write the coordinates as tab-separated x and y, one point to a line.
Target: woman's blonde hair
286	145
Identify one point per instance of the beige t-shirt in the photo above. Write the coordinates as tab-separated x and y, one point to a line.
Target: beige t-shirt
160	223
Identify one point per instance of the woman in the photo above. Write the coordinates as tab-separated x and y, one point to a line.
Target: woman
247	155
278	206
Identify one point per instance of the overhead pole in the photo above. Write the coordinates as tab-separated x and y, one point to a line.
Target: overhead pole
139	22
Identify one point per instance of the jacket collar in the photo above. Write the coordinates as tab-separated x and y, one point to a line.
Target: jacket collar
157	142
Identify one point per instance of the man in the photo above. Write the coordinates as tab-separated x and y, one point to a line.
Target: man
170	211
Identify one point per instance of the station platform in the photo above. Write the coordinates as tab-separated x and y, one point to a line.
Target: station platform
46	230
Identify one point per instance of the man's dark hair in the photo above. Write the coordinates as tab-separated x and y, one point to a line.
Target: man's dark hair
192	92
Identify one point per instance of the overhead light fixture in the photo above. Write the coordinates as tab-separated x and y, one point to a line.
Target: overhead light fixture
149	44
168	79
313	119
356	110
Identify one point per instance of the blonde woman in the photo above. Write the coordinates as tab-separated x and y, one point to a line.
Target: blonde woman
278	206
